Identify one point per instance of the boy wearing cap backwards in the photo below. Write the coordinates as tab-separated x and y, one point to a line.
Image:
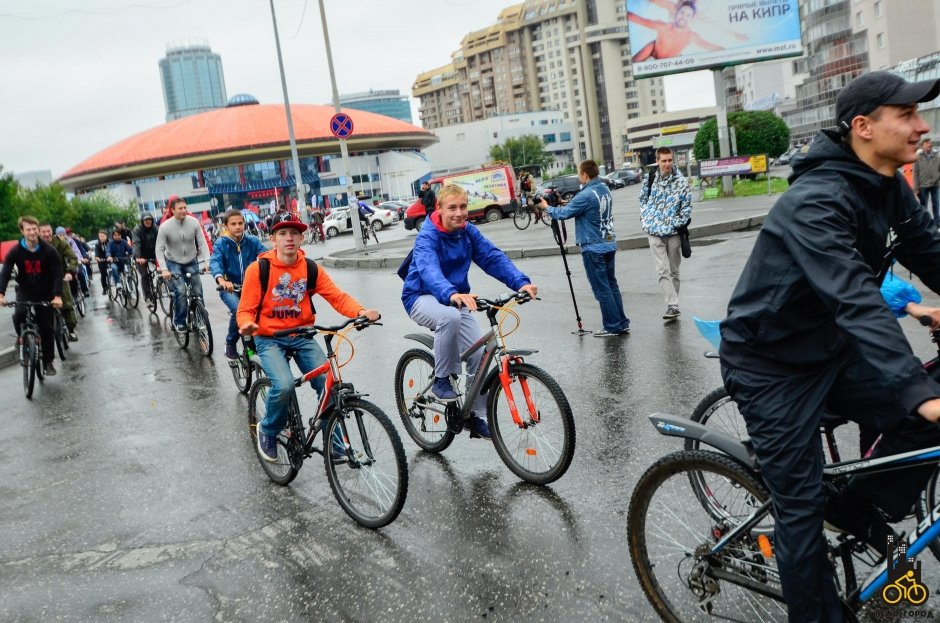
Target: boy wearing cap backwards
807	329
286	304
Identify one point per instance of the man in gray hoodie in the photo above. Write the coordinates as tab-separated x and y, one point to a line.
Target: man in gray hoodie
180	247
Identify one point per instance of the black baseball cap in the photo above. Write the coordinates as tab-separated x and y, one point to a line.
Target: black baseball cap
880	88
286	219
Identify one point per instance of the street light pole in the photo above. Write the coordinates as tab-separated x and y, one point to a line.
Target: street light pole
344	151
298	178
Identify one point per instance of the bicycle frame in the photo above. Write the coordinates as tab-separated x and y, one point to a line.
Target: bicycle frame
495	350
916	542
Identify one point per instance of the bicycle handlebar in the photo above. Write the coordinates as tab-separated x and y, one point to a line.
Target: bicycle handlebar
485	304
29	304
236	288
360	322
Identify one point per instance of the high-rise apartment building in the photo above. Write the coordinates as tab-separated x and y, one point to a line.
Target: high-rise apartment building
571	56
845	38
192	79
390	103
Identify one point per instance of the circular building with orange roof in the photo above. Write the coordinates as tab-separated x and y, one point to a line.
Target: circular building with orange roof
241	154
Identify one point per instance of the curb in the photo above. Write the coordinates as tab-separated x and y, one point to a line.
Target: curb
7	357
355	259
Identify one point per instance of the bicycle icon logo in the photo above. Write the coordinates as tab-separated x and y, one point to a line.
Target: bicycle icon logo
903	577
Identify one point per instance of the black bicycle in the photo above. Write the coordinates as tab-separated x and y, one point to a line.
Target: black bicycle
61	334
362	453
197	319
527	212
29	345
126	291
246	365
78	296
152	279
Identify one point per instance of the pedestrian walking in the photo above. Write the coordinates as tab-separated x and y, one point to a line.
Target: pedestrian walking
927	177
666	207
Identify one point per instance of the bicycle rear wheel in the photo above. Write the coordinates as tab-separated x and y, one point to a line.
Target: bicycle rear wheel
669	539
521	218
540	450
203	329
30	356
546	219
368	474
414	375
282	471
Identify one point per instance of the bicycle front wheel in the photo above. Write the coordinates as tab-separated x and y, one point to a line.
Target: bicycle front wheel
132	291
163	296
202	328
414	375
929	499
546	219
30	356
60	336
79	300
281	471
669	538
521	218
241	369
540	448
365	464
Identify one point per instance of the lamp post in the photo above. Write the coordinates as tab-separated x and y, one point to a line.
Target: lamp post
298	179
344	151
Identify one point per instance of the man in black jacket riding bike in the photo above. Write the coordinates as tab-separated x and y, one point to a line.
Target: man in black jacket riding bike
808	330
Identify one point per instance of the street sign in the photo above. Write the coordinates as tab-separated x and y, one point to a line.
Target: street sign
341	125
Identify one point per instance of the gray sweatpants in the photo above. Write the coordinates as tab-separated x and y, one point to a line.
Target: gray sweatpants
454	331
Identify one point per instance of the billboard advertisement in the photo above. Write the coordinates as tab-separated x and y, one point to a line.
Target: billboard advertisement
672	36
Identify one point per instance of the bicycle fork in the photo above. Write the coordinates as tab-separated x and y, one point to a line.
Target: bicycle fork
505	380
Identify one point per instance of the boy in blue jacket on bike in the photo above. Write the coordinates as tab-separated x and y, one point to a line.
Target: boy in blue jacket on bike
231	255
437	294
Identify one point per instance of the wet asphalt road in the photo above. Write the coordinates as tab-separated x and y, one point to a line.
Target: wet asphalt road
129	490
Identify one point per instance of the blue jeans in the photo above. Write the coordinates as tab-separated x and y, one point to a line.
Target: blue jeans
931	194
231	301
117	267
308	356
602	276
180	304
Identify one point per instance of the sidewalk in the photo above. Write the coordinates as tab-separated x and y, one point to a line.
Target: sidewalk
709	218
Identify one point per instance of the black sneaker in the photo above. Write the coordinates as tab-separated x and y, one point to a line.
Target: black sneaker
848	512
180	328
479	429
72	336
230	351
49	369
672	311
606	333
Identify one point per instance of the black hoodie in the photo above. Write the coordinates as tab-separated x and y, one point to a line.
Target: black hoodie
810	289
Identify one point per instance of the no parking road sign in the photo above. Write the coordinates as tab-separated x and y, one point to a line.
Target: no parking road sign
341	125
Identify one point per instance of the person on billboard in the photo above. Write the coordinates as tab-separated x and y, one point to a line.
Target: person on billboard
672	38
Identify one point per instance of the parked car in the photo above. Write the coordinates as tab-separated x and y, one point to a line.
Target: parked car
339	221
396	206
612	182
567	186
627	176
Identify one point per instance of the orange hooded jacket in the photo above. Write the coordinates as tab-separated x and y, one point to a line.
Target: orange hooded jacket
286	304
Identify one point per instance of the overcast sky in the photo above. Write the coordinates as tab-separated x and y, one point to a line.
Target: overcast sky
80	75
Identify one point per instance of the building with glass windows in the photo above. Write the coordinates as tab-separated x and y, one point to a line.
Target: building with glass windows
240	156
390	103
192	80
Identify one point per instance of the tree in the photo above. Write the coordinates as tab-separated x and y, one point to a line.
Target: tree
85	214
756	132
525	150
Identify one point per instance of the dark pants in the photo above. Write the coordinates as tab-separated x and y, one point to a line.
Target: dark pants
103	271
145	283
782	415
602	275
930	194
45	319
